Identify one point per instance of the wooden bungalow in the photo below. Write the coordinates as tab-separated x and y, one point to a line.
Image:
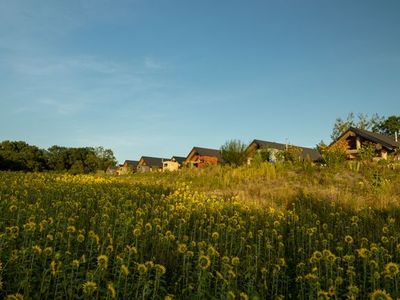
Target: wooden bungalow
128	167
149	164
274	148
355	138
202	157
173	164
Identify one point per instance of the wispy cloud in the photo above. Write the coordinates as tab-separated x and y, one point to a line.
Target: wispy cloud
50	106
68	85
62	107
37	65
42	66
150	63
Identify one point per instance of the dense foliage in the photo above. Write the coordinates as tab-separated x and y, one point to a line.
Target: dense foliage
151	236
20	156
390	125
233	152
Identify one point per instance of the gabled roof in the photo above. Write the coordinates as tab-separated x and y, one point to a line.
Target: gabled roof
310	153
267	144
385	140
206	152
153	161
178	159
131	163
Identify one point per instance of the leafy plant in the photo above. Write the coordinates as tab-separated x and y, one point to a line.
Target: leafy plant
233	152
367	152
333	155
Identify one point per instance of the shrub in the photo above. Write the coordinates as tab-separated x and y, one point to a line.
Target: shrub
233	153
367	152
333	155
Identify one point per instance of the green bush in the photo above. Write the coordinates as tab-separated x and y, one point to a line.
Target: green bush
233	153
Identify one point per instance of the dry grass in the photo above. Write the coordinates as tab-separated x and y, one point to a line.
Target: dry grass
368	185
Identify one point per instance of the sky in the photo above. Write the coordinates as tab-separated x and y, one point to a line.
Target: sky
155	78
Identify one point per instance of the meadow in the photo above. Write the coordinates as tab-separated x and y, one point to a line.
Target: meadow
253	232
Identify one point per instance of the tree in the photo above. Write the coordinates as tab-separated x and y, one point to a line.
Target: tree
390	126
78	168
376	123
58	158
341	126
233	152
106	158
20	156
80	160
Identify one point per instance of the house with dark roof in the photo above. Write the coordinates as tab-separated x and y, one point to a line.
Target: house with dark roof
275	148
173	164
200	157
148	164
179	159
128	167
354	139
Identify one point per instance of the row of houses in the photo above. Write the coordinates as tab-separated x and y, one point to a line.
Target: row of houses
353	139
198	158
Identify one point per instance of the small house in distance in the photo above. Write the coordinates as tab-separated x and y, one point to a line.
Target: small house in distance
355	138
173	164
149	164
112	170
202	157
274	148
128	167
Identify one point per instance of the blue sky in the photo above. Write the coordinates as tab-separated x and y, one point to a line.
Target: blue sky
158	77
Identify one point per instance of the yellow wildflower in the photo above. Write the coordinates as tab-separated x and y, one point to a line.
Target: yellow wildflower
111	290
160	269
124	270
142	269
235	261
102	261
71	229
204	262
392	269
89	287
380	295
215	236
348	239
80	238
243	296
75	263
182	248
37	250
16	296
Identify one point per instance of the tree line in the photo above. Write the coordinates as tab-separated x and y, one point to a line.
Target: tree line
20	156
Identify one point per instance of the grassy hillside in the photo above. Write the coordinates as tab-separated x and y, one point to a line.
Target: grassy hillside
260	232
353	184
